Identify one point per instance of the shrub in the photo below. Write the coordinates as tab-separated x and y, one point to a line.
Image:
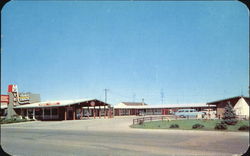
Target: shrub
229	116
174	126
12	120
141	122
244	128
220	126
197	126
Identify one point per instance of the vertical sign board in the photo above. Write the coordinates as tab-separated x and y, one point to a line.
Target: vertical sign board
4	98
12	88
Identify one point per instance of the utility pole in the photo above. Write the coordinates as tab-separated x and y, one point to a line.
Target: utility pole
162	96
134	95
106	90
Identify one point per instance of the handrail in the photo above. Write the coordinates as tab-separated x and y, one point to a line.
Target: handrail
151	118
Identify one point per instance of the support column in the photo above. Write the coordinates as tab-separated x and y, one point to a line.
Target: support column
34	113
65	113
81	113
27	113
43	113
88	112
99	111
94	112
104	111
22	113
74	113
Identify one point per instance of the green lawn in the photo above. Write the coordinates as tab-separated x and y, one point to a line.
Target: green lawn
187	124
8	121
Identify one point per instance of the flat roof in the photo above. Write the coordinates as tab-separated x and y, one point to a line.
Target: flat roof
164	106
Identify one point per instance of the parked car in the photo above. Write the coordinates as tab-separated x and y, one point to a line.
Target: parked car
188	113
141	114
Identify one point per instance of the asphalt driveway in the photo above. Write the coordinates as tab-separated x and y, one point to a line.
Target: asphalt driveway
114	137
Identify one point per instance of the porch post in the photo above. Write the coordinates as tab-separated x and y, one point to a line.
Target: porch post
22	113
74	113
88	112
94	112
104	111
99	112
34	113
43	113
65	113
81	113
27	113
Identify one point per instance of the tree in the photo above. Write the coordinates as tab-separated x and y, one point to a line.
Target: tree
229	117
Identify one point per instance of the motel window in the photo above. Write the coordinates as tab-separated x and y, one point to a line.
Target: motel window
54	111
46	111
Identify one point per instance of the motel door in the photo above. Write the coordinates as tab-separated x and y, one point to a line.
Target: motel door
69	113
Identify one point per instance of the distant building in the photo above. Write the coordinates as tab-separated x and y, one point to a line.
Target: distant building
140	108
239	103
132	104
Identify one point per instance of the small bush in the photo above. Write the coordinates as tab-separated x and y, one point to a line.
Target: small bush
141	122
197	126
244	128
174	126
13	120
220	126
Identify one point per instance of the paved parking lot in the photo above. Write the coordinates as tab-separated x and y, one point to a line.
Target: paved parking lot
114	137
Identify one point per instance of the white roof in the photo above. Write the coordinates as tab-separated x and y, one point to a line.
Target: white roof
164	106
58	103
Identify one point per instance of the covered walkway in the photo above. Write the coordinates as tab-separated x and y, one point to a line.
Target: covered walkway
65	110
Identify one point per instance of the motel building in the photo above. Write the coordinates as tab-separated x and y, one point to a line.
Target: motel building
240	105
28	105
137	108
65	110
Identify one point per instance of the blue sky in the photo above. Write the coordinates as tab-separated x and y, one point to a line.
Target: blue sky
192	51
